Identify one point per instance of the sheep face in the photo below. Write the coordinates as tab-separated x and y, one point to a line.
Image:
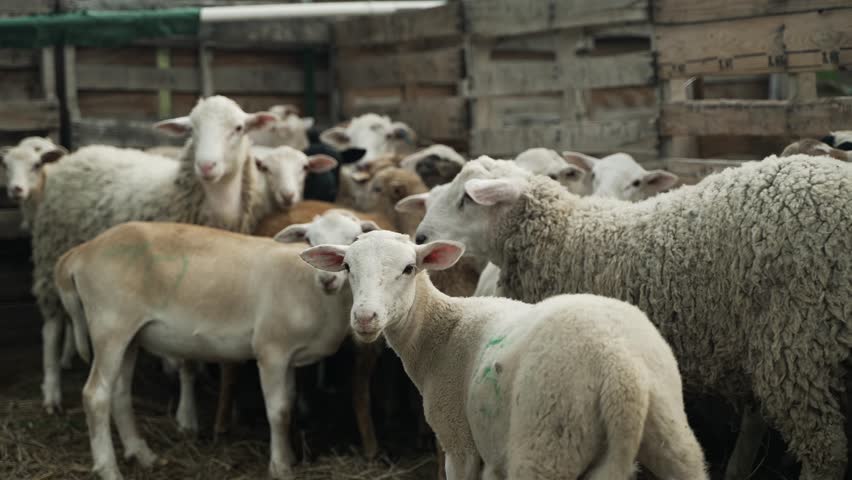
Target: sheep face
375	134
382	268
23	164
465	209
290	130
619	176
389	186
285	169
332	227
543	161
219	127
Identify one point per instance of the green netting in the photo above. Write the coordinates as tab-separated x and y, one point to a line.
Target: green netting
97	29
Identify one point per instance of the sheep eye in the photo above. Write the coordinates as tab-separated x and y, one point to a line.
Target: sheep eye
377	189
408	270
37	149
635	183
552	176
346	267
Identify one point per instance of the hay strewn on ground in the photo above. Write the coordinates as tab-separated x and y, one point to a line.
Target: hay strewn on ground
36	446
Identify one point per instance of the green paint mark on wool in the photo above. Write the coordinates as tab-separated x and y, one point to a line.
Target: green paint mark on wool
495	341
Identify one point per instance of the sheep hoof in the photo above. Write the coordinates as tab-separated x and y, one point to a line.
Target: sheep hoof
145	457
280	471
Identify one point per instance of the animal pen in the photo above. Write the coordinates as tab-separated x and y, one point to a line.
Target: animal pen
691	86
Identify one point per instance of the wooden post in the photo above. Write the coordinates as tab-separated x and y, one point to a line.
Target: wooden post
205	61
71	82
164	95
48	73
679	90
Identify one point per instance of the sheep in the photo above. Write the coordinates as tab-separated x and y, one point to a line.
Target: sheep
289	129
193	292
375	134
620	176
100	186
436	164
809	146
168	151
747	267
543	161
841	140
492	372
25	166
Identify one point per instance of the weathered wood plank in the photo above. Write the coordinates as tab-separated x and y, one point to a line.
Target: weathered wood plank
810	41
271	34
689	11
756	117
439	118
31	115
506	78
443	66
121	133
76	5
404	26
635	136
508	17
13	8
18	58
692	170
226	79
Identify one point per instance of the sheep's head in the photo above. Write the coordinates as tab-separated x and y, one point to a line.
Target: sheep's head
464	209
288	129
219	128
543	161
24	162
373	133
335	226
389	186
285	169
382	268
619	176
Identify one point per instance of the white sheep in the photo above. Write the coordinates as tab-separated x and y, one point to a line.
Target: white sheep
621	177
191	292
841	139
544	161
809	146
577	385
288	130
97	187
376	134
24	166
746	274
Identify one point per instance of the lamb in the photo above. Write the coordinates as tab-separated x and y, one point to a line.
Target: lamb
25	167
166	151
435	164
99	186
751	255
543	161
620	176
192	292
492	371
288	130
376	134
809	146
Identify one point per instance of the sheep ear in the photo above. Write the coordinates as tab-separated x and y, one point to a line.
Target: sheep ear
659	181
260	121
828	140
412	203
401	131
368	226
573	172
321	163
51	156
439	255
176	127
491	192
291	234
581	160
336	137
325	257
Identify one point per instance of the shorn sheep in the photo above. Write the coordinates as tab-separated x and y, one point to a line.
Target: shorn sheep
98	187
748	275
191	292
493	373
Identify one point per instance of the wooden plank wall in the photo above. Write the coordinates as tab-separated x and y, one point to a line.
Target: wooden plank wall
408	65
564	75
115	93
785	43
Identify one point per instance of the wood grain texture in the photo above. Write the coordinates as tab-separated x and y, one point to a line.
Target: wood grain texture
692	170
267	34
403	26
29	115
120	133
507	17
689	11
756	117
811	41
442	66
438	118
14	8
18	58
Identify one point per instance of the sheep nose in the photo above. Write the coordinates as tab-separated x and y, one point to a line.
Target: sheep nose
328	282
17	191
288	198
364	317
420	239
206	168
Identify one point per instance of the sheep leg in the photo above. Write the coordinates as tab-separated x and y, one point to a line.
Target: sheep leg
365	362
68	348
97	396
669	448
227	378
278	380
463	466
752	431
440	459
187	416
51	332
122	409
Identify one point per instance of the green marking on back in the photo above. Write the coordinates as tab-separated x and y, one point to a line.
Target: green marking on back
490	407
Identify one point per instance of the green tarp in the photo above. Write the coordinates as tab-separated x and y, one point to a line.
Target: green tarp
97	29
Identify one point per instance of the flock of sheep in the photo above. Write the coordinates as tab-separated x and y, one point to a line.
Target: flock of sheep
626	288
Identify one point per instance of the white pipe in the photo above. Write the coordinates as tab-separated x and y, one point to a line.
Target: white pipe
271	12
